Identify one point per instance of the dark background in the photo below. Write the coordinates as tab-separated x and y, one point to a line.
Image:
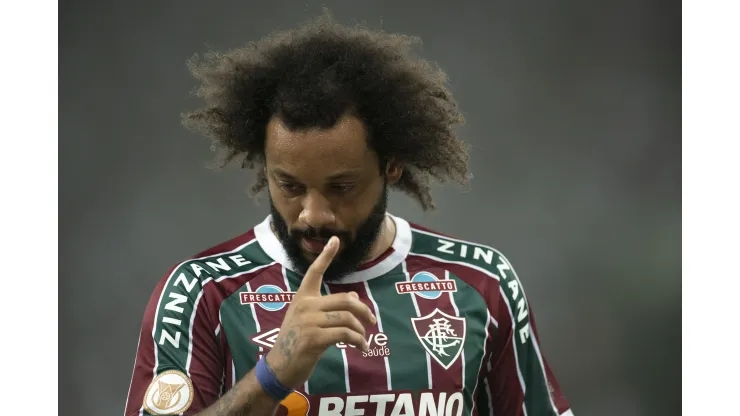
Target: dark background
573	110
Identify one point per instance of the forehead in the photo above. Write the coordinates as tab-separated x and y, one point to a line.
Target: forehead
319	151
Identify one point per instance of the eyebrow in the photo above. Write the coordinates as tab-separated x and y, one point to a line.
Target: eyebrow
348	174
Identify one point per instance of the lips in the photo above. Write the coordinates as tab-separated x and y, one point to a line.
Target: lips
313	245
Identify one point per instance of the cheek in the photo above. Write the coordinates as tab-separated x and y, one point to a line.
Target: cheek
288	208
354	212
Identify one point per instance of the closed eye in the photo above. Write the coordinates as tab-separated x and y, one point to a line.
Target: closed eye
342	188
291	188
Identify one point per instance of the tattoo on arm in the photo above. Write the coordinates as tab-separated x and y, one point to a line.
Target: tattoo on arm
286	345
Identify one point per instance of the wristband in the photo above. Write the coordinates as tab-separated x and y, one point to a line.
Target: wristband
270	384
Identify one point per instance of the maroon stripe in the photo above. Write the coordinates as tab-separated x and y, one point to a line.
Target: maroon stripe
206	364
444	379
504	378
268	320
557	394
367	374
482	372
209	363
144	366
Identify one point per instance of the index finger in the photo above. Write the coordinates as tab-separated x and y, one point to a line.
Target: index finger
315	275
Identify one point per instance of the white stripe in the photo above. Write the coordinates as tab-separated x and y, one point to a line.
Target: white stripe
195	310
223	377
287	286
233	372
460	263
489	393
539	356
380	328
190	333
132	374
218	327
254	316
418	314
531	331
513	341
542	364
344	353
285	278
161	295
568	412
482	364
495	322
457	313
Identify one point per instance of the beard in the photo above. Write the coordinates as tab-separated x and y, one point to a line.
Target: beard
354	250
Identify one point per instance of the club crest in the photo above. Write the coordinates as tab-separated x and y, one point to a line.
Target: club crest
442	335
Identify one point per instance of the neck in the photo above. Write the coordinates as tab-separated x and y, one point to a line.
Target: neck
384	241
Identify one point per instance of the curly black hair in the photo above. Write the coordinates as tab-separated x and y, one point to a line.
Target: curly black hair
311	76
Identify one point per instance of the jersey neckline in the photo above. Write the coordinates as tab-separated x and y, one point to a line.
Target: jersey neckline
401	248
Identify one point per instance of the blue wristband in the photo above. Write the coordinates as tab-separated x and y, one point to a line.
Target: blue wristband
270	384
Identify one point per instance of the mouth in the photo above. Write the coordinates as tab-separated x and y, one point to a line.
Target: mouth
313	245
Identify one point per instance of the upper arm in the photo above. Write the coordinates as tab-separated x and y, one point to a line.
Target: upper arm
519	378
179	366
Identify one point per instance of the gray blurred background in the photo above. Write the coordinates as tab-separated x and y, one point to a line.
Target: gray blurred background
573	110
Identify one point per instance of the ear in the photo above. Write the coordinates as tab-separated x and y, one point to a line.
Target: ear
393	172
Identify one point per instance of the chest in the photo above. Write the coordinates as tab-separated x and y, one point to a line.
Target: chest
427	347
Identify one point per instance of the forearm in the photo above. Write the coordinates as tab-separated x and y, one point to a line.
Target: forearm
246	398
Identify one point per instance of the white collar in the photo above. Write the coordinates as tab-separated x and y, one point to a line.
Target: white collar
401	247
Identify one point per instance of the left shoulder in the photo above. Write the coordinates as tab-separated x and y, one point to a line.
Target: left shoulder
448	249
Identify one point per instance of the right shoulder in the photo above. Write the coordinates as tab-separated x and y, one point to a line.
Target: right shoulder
239	255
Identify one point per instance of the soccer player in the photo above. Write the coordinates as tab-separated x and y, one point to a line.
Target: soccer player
331	305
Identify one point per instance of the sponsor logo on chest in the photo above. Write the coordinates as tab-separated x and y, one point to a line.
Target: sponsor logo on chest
426	285
268	297
377	342
429	402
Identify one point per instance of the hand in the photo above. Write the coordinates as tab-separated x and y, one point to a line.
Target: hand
314	322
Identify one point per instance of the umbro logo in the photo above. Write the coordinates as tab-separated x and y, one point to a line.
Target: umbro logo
266	339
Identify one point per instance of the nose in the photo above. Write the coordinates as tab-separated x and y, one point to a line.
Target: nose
316	212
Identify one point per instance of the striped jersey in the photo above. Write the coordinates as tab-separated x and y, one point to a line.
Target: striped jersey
454	336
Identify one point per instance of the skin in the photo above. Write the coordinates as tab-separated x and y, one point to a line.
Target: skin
327	178
317	178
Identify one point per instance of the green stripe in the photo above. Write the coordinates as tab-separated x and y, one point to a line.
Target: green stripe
537	395
328	377
182	290
472	306
243	351
407	361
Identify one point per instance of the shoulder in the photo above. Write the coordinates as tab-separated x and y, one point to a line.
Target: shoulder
483	267
444	248
239	256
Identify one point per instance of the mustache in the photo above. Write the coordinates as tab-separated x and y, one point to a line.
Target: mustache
320	234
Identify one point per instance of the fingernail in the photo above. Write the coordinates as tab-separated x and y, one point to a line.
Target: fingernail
355	295
373	319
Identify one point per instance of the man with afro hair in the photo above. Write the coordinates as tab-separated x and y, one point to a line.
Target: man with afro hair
331	305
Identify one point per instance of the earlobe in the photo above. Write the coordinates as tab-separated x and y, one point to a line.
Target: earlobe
393	172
